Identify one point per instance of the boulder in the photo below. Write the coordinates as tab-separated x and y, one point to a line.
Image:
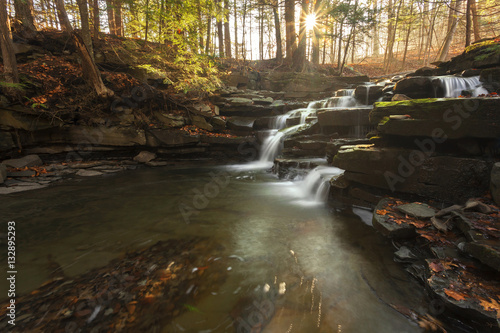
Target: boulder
144	157
400	97
3	173
218	123
384	224
415	87
201	122
368	94
201	109
170	120
450	118
26	161
444	178
495	182
425	71
240	124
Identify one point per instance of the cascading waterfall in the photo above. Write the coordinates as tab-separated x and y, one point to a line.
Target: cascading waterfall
316	184
272	145
453	85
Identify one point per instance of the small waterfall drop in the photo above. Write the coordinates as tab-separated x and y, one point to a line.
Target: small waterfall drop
454	85
272	145
316	184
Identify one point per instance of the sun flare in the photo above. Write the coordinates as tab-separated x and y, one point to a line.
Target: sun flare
310	21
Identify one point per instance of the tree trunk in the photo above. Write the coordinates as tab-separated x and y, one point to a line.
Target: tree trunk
227	35
118	17
235	31
291	35
220	33
261	32
299	56
277	28
209	26
10	74
468	23
451	31
376	42
316	36
84	17
90	72
475	20
407	37
96	19
111	17
24	14
147	24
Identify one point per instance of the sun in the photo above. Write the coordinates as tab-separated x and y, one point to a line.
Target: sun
310	21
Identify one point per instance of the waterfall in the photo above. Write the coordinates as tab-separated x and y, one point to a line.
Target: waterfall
454	85
272	145
278	122
316	185
343	99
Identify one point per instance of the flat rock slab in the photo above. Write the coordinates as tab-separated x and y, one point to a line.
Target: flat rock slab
20	187
88	173
465	286
23	173
387	225
417	209
26	161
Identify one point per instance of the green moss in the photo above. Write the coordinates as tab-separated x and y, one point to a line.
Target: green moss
477	46
406	103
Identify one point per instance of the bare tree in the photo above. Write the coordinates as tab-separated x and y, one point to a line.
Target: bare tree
10	74
89	69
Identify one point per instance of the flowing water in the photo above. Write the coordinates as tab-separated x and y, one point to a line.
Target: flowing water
319	270
453	86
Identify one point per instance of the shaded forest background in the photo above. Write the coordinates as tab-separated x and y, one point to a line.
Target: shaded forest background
370	36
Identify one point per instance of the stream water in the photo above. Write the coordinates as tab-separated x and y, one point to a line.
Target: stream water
327	271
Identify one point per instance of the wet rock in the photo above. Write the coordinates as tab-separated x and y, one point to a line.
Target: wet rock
246	111
400	97
417	209
345	117
88	173
6	141
471	72
145	157
3	173
201	122
172	138
240	124
263	101
15	187
441	177
218	123
495	183
201	109
404	254
20	174
156	164
26	161
239	101
451	118
415	87
368	94
387	226
170	120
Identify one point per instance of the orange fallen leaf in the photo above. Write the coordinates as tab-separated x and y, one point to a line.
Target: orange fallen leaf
491	305
453	294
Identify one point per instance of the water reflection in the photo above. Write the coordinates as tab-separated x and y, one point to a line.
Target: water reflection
289	267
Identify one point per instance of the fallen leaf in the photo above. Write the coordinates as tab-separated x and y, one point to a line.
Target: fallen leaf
455	295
